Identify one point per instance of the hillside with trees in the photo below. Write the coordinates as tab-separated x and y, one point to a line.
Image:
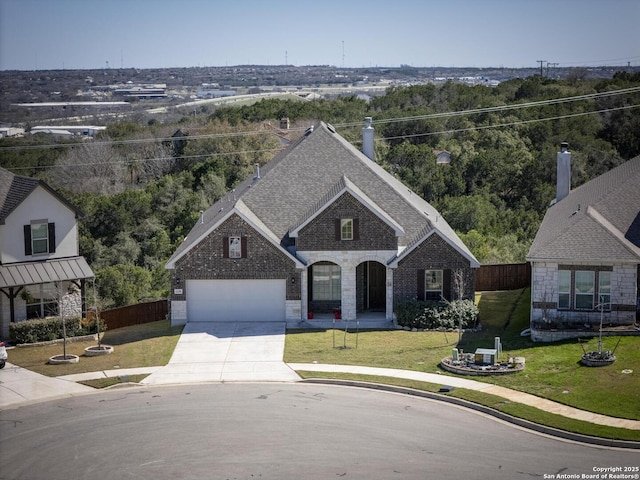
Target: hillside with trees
141	188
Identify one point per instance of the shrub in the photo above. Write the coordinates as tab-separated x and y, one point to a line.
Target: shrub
44	329
432	315
408	313
462	312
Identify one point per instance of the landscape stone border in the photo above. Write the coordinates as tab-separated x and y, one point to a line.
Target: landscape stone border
449	365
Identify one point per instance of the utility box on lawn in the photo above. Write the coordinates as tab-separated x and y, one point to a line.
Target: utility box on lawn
486	356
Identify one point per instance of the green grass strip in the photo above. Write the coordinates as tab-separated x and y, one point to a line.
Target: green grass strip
493	402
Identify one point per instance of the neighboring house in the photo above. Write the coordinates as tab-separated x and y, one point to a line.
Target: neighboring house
39	259
320	230
585	257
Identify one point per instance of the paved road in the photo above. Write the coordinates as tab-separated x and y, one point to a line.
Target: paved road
276	431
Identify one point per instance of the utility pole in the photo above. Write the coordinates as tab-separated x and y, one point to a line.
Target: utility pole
541	62
342	53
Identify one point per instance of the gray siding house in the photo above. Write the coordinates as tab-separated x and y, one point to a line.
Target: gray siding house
319	231
585	258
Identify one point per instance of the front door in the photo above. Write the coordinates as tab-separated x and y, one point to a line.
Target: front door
377	286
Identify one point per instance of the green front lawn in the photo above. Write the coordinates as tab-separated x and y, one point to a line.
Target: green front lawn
147	345
552	370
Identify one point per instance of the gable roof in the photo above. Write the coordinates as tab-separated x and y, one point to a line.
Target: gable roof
345	186
598	221
299	181
14	189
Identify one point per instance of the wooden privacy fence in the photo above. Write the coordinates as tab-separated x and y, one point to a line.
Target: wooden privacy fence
509	276
135	314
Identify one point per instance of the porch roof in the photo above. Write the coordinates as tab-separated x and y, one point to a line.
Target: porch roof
33	273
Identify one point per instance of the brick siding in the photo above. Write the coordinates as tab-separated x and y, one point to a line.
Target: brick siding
205	261
320	233
433	253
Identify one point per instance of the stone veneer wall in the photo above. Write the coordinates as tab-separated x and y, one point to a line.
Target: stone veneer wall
544	293
348	262
320	234
264	261
433	253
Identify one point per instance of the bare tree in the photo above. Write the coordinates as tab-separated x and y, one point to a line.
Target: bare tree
90	167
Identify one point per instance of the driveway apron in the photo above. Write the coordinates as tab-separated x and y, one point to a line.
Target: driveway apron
227	352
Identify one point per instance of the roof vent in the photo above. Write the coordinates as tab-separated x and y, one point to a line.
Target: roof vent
309	130
257	175
331	128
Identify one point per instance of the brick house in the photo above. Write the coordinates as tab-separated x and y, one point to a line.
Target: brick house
318	231
39	258
585	258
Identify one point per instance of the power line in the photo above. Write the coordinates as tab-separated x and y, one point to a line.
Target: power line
510	124
400	137
518	106
590	96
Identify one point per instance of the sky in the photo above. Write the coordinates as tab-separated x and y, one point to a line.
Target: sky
88	34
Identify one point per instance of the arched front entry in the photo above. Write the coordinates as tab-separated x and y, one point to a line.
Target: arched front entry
371	287
324	287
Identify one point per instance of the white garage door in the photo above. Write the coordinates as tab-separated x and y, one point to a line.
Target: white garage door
235	300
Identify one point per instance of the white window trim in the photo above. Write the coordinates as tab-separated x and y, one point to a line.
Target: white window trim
576	294
346	223
563	292
607	304
335	285
34	226
235	246
428	290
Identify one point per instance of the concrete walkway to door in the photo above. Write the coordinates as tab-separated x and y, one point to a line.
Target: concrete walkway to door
227	352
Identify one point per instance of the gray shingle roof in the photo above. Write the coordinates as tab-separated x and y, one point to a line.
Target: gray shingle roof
14	189
297	180
598	221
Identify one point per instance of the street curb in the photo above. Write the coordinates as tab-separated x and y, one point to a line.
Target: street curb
576	437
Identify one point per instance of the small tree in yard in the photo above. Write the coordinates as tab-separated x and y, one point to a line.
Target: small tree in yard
61	292
458	283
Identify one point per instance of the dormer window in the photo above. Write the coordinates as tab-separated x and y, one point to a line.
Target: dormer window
346	229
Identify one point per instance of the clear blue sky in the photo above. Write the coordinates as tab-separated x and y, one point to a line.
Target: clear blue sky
78	34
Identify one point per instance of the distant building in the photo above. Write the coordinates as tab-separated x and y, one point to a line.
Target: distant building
142	91
215	93
68	130
6	132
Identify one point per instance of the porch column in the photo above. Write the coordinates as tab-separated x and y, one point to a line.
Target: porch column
83	297
389	295
348	274
304	294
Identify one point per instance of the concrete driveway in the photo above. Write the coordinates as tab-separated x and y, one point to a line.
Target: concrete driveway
227	352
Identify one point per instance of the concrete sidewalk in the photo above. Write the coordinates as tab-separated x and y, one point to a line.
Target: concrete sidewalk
19	386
